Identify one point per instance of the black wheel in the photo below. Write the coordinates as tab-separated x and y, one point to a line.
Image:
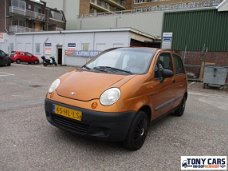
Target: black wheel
44	64
36	62
205	85
221	87
55	64
18	61
9	63
180	110
137	132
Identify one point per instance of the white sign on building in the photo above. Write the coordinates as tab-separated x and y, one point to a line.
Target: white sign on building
167	38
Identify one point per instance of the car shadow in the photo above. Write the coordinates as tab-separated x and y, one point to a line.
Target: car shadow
99	145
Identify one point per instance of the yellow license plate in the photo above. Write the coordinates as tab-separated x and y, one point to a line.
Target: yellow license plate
69	113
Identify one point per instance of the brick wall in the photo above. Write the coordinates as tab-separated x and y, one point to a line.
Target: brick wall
2	16
193	60
84	7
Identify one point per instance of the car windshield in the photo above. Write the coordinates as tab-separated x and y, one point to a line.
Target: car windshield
123	60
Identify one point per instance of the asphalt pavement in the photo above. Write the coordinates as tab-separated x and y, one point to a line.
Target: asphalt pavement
29	142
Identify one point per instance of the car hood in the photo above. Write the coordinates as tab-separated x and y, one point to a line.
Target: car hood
85	86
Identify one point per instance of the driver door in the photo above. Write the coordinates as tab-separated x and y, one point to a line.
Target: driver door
162	87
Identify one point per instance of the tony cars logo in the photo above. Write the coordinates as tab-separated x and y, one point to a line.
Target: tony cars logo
203	162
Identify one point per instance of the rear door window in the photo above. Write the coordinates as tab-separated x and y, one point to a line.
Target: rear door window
178	64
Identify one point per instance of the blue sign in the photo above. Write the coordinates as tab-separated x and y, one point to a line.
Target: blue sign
84	53
71	44
47	44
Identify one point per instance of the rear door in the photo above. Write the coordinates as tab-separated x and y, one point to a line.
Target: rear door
180	86
29	57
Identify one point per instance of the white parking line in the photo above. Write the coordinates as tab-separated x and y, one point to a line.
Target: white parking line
37	66
5	74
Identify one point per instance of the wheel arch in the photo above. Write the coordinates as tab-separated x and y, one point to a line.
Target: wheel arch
147	110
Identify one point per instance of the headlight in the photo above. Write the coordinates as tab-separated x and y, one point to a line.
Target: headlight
54	85
110	96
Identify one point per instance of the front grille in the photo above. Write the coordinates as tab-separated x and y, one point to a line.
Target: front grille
70	124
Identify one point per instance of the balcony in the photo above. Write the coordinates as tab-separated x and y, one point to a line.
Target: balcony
21	29
27	13
100	5
17	10
35	15
56	16
117	3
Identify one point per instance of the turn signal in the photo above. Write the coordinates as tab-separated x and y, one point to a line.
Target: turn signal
94	105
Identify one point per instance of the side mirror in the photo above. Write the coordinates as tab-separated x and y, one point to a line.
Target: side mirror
167	73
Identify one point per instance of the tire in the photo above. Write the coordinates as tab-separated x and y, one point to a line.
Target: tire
9	63
36	62
137	132
180	110
18	61
44	64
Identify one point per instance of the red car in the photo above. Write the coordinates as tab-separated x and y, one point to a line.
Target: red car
18	57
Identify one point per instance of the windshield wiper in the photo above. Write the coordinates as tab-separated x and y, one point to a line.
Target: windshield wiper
111	69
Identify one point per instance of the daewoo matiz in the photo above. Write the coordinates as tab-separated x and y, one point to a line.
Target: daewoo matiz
117	94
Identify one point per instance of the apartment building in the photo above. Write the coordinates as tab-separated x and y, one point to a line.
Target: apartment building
86	7
28	16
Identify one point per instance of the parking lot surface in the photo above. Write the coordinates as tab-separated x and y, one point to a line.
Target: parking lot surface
29	142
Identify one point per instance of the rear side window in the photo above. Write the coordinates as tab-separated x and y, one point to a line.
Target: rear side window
28	54
179	64
2	53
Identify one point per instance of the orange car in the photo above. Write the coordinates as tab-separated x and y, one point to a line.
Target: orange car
117	94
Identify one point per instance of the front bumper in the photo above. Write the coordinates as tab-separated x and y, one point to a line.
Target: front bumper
100	125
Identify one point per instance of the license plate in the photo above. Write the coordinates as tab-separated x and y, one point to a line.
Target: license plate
69	113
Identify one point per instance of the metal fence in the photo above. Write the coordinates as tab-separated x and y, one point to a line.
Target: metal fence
166	7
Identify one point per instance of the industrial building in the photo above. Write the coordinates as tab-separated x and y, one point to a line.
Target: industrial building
76	47
197	29
200	36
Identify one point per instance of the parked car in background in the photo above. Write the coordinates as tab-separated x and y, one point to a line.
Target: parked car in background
4	59
116	95
19	56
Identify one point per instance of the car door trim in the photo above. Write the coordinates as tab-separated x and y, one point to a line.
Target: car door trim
167	103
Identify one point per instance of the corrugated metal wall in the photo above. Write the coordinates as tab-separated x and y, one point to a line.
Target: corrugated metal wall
193	29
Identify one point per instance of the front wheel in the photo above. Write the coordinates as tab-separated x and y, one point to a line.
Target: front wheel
137	132
180	110
9	63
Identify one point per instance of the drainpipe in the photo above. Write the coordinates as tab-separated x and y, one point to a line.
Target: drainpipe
5	18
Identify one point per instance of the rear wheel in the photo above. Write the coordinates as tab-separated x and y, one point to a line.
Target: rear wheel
36	62
137	132
18	61
180	110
